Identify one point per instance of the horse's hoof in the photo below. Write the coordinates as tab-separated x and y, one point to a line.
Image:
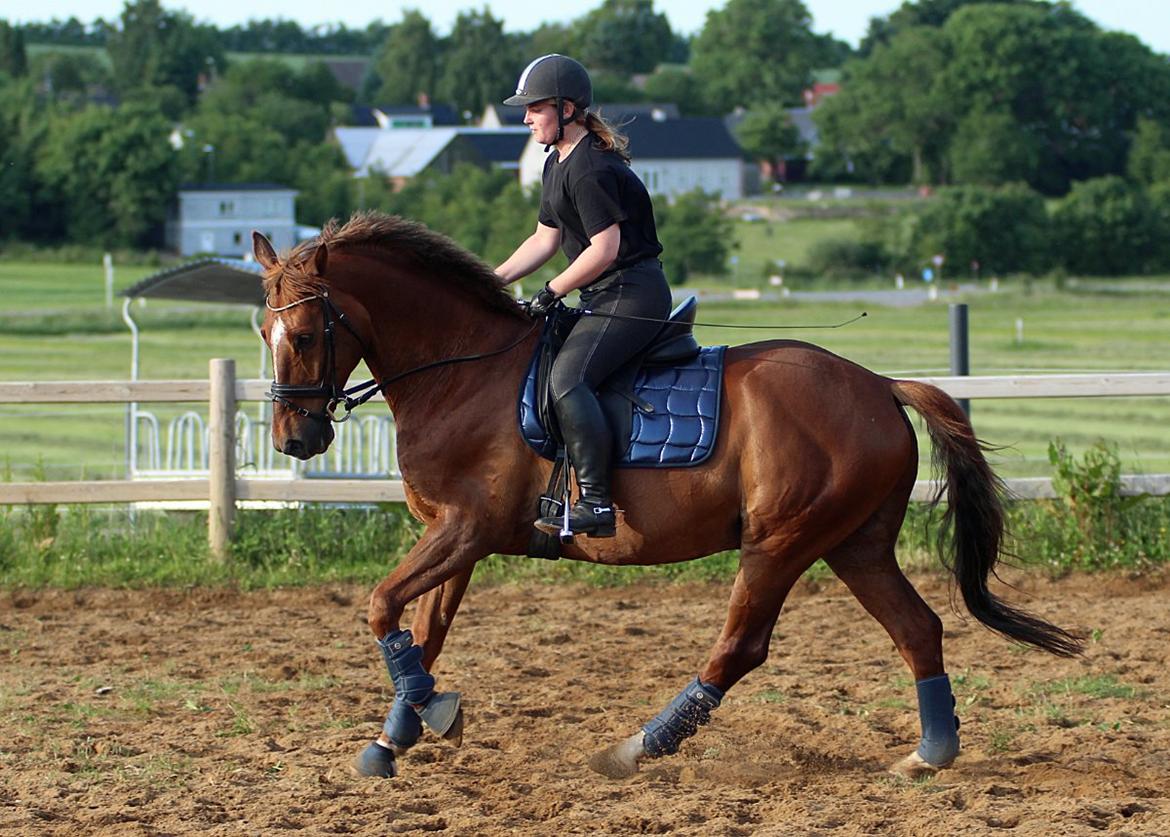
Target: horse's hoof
915	766
454	736
442	712
377	761
619	761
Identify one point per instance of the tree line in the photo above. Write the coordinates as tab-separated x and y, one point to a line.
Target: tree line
977	94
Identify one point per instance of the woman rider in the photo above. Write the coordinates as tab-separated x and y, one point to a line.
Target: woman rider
597	210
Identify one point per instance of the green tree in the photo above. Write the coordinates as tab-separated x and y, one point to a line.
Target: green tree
111	172
1004	229
407	64
1149	156
675	83
891	104
921	13
70	76
1073	91
13	59
561	38
696	237
294	103
483	210
767	133
992	148
155	47
479	63
21	131
753	51
1104	227
625	36
1159	198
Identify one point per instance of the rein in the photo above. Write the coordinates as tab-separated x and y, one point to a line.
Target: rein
353	397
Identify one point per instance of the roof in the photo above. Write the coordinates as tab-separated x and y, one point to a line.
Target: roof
235	187
349	72
689	138
355	143
506	115
625	111
233	281
364	116
404	152
500	145
802	119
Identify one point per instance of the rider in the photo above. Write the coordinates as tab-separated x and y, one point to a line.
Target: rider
597	210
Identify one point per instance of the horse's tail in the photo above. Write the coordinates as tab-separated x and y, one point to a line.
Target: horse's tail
972	530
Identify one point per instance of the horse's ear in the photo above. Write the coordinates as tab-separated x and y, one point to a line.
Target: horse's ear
320	259
262	250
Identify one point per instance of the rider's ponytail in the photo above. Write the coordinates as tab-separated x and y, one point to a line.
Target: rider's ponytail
609	138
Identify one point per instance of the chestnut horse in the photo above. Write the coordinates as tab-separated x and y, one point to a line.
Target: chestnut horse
815	458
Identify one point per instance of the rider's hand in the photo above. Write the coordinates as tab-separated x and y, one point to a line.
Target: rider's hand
542	302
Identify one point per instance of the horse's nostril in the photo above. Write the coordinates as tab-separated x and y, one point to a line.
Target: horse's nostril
294	447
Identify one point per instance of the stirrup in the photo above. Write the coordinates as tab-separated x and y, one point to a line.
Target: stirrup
566	527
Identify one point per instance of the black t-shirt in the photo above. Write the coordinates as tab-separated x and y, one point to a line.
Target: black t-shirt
590	191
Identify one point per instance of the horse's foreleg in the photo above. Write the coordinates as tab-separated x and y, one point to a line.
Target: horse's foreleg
756	598
866	563
432	620
441	555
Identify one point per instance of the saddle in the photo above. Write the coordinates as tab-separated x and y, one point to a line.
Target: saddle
662	405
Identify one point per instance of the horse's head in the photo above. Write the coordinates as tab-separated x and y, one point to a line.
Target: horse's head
314	347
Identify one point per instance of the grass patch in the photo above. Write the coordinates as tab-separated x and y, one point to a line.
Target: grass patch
1094	686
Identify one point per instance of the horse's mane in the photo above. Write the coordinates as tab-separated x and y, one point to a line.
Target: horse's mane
437	254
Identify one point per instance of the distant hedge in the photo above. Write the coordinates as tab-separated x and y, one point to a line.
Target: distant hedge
1103	227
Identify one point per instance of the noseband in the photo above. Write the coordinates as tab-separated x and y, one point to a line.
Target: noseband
281	393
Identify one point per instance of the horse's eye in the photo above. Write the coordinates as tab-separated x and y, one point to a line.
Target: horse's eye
303	341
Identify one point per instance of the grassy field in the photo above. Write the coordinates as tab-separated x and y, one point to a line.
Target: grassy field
54	326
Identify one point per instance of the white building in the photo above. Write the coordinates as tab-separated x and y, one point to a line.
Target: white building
218	218
670	156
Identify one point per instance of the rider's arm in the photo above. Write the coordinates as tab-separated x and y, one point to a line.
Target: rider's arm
593	261
533	252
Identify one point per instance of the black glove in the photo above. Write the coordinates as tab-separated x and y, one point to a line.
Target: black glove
543	302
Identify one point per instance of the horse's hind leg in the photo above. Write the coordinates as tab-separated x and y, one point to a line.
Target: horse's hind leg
865	562
761	585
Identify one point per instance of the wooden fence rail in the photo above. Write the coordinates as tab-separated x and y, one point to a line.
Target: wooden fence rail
222	489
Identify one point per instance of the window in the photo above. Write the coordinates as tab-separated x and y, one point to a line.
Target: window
227	208
237	238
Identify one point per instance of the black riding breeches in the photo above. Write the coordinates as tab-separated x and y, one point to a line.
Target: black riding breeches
598	345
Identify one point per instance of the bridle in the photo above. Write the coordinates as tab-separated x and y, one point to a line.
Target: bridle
352	397
281	393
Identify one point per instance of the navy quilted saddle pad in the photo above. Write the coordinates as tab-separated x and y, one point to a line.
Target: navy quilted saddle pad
680	426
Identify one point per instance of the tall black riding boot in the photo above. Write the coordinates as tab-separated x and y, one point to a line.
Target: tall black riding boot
589	443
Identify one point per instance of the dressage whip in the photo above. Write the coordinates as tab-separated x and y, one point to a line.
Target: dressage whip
590	312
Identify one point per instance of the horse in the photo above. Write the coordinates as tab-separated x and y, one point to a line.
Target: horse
815	458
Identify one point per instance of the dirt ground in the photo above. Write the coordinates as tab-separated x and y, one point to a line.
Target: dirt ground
218	712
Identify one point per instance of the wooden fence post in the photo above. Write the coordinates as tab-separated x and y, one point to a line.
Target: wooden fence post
222	456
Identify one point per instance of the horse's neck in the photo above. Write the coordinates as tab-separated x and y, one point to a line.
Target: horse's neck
417	321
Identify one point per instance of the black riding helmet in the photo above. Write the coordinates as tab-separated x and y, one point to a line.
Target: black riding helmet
554	77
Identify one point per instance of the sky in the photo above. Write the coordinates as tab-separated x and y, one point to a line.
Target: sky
845	19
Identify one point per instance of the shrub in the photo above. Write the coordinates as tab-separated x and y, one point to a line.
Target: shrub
1003	228
845	258
1104	227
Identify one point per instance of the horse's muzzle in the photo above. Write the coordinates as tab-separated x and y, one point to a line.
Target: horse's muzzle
307	444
